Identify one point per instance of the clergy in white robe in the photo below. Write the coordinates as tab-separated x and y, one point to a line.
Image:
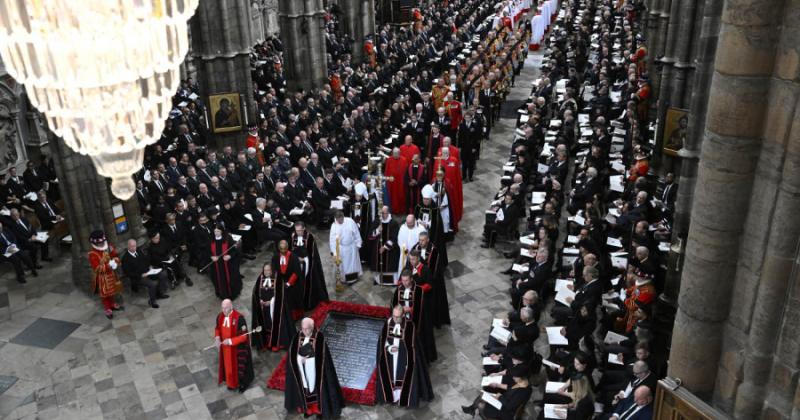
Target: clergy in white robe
345	231
407	237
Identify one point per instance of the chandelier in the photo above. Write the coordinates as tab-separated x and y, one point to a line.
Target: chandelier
103	72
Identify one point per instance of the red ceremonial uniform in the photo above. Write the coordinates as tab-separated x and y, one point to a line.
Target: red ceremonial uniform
105	282
454	112
396	168
228	357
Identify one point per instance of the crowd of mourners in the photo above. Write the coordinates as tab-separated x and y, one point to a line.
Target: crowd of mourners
581	150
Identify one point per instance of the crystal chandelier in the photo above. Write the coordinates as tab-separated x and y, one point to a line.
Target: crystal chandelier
103	72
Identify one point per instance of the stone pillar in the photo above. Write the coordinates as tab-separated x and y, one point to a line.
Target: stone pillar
87	203
728	162
359	22
303	33
221	43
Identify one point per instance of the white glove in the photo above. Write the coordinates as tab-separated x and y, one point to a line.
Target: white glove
227	342
113	264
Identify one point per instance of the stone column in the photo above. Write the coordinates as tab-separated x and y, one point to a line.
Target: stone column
706	49
728	161
303	34
221	43
359	22
87	203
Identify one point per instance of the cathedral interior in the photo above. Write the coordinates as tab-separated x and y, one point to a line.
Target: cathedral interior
697	102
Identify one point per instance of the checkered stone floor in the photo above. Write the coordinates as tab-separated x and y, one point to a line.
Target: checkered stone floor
61	358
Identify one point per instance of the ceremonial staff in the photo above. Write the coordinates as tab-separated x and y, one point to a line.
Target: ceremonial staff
255	330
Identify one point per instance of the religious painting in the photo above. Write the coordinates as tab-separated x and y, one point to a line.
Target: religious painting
226	112
12	150
676	126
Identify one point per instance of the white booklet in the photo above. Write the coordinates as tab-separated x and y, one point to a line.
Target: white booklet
491	400
501	334
555	338
553	387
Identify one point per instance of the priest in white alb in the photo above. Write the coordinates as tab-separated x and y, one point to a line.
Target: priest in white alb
407	237
347	238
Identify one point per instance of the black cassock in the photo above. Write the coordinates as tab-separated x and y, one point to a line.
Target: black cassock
289	273
326	394
430	217
412	376
359	211
274	319
314	289
225	274
386	263
430	256
414	193
421	318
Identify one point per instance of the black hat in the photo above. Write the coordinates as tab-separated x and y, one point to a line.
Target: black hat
97	237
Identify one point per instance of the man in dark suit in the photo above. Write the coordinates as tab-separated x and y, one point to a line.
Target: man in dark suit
584	193
587	295
167	247
506	219
638	406
11	251
468	141
136	266
26	234
47	213
669	194
537	277
33	180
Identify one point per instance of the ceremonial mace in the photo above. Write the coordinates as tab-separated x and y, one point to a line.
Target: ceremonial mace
220	255
255	330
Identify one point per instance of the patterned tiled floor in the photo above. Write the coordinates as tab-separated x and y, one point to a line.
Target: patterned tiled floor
61	358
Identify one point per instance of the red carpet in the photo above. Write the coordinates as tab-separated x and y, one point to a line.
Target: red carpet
354	396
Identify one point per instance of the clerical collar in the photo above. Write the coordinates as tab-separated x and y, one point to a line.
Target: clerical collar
386	220
219	238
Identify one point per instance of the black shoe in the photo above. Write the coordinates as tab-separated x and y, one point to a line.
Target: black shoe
162	296
109	316
21	280
508	255
34	273
188	281
154	305
48	259
134	289
468	409
486	347
39	266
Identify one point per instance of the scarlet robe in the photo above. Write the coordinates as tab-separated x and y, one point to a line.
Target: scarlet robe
408	152
453	186
253	141
235	361
396	168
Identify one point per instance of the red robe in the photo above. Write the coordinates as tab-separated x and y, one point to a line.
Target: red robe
104	280
453	185
396	168
408	152
253	141
228	357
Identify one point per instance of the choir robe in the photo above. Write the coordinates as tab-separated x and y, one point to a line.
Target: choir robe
287	270
235	361
314	288
349	243
396	169
359	211
406	239
225	274
384	264
326	397
453	185
275	318
430	256
411	375
421	319
417	174
430	216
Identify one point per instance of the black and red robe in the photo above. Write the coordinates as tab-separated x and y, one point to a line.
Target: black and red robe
413	377
225	274
419	316
432	259
237	357
326	400
414	192
289	273
276	329
432	214
314	288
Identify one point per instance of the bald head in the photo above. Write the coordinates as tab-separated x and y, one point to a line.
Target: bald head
642	396
227	307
